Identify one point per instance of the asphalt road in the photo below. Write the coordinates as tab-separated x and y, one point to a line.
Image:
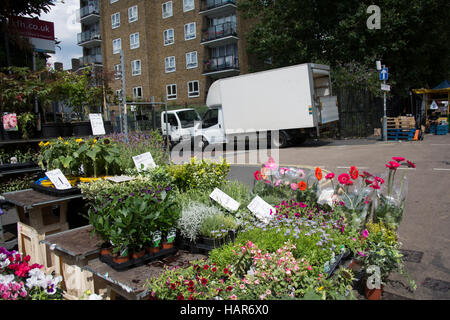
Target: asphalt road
424	231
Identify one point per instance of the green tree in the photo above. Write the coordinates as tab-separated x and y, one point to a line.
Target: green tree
412	40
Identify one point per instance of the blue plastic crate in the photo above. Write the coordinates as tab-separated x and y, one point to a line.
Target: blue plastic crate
400	134
441	129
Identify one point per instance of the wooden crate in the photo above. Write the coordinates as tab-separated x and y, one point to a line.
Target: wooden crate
401	123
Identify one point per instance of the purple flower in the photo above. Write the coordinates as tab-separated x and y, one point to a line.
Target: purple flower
365	233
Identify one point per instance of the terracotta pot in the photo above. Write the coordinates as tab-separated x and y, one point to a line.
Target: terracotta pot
167	245
152	249
106	249
121	259
373	294
139	254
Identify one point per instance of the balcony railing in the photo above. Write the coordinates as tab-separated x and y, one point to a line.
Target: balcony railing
220	31
85	11
88	36
211	4
221	64
96	59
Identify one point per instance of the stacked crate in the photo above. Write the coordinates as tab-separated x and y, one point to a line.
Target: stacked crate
401	128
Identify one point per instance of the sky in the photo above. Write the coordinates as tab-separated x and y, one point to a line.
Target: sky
63	15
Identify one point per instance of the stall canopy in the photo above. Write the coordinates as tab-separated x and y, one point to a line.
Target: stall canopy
436	99
443	85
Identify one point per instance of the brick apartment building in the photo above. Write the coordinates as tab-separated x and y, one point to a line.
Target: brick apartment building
173	50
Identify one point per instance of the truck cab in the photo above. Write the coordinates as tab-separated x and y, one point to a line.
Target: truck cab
180	125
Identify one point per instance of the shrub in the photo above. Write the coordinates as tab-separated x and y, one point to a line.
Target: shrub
192	218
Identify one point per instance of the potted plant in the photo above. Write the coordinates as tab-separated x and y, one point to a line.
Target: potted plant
215	229
27	124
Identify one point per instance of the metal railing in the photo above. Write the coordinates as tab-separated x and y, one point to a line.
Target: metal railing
88	35
221	63
220	31
211	4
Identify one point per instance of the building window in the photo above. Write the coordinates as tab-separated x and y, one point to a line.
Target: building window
134	40
115	20
137	92
170	64
132	14
189	31
117	71
193	89
191	60
117	46
171	90
169	37
167	9
188	5
136	67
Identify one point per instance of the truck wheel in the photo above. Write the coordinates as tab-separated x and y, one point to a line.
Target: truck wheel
281	142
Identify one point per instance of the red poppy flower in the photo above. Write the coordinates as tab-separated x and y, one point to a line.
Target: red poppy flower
302	185
214	269
393	165
318	173
206	267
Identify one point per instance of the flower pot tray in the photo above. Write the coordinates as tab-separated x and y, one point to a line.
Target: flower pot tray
55	192
132	263
16	166
340	259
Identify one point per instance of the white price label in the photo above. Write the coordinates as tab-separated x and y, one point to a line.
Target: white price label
144	161
224	200
120	179
97	125
58	179
261	209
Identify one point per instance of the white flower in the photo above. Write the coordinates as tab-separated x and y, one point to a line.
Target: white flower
95	297
6	279
36	272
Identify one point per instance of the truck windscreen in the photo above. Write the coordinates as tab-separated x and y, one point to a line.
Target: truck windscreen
188	117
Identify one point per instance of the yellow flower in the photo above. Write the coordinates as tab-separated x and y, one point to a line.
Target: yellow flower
60	139
79	140
95	140
321	288
41	144
66	142
46	144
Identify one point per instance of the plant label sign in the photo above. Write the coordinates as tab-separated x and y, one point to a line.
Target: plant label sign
118	179
144	161
261	209
97	125
58	179
224	200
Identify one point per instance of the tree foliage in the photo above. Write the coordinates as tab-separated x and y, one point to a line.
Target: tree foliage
412	41
24	7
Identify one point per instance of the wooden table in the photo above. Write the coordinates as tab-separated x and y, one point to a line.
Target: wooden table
36	209
70	251
130	284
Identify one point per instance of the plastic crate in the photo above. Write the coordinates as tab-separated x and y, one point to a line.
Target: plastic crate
400	134
441	129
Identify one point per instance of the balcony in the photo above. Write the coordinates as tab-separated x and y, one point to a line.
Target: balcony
220	35
217	8
92	59
88	14
89	39
221	67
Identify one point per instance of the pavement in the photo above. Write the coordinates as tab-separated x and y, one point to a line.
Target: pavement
424	231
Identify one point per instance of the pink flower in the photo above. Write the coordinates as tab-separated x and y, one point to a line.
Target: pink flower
344	178
271	164
277	183
398	159
410	164
294	186
309	268
284	170
330	176
379	180
233	297
393	165
365	233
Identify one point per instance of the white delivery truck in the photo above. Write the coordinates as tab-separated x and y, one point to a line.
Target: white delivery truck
181	125
294	101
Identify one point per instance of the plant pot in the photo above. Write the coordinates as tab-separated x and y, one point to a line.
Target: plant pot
152	249
139	254
81	129
51	130
121	259
212	242
373	294
167	245
106	249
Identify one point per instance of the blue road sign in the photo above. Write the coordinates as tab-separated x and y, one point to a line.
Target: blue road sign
384	74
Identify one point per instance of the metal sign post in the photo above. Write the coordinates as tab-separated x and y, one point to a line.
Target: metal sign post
123	94
384	75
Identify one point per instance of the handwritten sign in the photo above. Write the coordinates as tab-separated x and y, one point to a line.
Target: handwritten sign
261	209
97	125
58	179
144	161
224	200
118	179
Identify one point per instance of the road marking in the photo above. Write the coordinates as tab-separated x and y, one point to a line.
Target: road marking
440	144
406	168
439	169
365	168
